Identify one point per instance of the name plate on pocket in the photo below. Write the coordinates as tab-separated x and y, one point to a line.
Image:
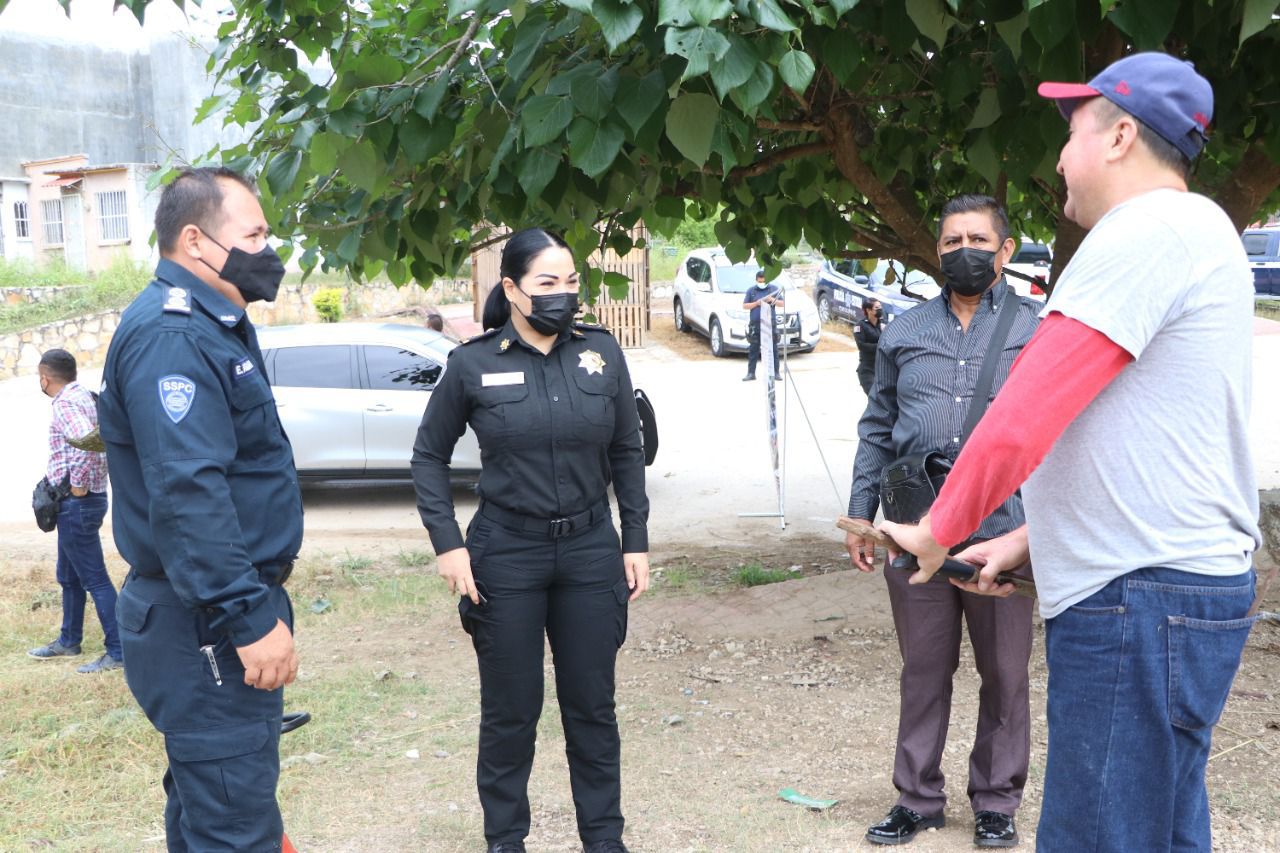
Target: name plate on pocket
490	379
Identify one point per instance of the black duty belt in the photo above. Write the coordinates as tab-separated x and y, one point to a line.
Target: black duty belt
272	574
551	528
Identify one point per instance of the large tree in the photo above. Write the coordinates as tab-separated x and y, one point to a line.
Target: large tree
390	135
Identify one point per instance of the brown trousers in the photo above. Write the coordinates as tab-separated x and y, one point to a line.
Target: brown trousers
927	619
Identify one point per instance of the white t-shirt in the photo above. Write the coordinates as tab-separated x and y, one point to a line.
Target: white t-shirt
1156	471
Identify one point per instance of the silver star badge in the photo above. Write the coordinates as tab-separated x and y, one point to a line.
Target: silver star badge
590	361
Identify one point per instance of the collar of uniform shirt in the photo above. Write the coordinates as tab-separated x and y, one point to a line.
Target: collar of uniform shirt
210	301
509	336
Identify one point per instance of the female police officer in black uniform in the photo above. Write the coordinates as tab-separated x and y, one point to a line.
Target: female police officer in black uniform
552	406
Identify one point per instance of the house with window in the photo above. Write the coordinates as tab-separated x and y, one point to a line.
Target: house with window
15	219
88	215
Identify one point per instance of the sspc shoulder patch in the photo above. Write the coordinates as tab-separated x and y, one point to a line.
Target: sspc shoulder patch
176	396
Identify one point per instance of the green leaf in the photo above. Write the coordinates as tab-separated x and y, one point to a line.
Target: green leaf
706	11
769	14
458	7
1011	32
700	45
617	284
674	13
583	6
324	152
1257	17
691	123
593	95
427	103
544	117
983	157
736	67
757	89
537	167
796	70
593	147
842	6
282	170
1051	21
618	21
361	165
376	69
1147	22
930	18
988	109
349	248
638	99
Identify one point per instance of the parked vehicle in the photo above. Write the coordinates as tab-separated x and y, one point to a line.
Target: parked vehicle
1262	245
351	396
709	290
1034	260
842	285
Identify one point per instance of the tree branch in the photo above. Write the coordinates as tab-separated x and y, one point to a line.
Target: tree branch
777	157
804	126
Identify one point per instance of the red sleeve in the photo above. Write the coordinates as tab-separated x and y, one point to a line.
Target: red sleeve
1059	372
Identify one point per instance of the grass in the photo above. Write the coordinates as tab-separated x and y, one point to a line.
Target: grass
755	574
414	559
114	287
1267	309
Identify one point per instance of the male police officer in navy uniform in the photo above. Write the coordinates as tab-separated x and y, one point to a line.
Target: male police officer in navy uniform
207	514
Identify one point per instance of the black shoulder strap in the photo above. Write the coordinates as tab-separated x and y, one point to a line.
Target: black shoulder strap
987	373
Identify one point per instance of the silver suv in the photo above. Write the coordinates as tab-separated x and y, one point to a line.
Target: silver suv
351	396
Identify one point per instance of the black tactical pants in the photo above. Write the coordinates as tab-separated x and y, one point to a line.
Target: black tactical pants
572	589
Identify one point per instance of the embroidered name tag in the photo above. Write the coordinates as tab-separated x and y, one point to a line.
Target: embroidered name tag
243	368
490	379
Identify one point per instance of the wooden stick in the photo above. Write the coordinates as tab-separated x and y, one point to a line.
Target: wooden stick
1024	586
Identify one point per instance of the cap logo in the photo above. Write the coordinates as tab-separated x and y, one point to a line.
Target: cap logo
1123	88
1201	119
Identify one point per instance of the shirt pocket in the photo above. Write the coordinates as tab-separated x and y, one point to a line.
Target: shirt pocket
253	408
501	410
596	396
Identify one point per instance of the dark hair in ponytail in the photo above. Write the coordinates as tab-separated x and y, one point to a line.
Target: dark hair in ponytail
521	248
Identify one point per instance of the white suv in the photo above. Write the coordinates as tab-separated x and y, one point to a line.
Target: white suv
709	291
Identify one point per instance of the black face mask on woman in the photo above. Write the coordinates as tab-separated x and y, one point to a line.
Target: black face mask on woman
256	275
553	313
969	271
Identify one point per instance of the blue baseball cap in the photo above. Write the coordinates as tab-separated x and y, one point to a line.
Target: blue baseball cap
1166	93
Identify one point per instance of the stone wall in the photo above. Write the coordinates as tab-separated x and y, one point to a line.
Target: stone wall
87	337
84	337
23	295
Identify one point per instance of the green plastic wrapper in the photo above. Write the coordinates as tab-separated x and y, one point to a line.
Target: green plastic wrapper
792	796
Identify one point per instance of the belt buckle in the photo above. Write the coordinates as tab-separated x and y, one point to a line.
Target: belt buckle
559	527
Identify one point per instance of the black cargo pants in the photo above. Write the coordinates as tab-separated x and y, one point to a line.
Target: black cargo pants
573	589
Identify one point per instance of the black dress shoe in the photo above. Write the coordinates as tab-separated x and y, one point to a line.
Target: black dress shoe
750	377
993	829
610	845
901	826
507	847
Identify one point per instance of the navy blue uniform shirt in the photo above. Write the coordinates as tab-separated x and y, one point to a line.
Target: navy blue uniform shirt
202	475
553	429
757	292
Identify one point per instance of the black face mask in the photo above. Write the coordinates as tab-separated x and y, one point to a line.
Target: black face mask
969	271
552	313
257	275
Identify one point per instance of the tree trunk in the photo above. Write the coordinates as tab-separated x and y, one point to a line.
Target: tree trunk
1250	183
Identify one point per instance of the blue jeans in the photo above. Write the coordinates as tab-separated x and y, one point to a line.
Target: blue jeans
82	571
1138	675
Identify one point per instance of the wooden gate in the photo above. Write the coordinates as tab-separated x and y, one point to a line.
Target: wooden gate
627	319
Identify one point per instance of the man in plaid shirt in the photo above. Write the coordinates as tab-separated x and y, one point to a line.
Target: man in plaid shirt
81	569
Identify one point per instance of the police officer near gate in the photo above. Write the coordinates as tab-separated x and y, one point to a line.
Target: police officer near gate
208	514
552	406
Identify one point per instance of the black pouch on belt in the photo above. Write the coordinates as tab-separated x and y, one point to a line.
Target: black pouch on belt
910	484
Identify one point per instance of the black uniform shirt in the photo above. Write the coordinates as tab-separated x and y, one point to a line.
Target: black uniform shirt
554	431
202	475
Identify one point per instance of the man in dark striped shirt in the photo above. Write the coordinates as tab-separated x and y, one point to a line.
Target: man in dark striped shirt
926	369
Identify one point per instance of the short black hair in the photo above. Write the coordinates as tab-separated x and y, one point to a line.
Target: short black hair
1165	152
975	203
193	198
59	364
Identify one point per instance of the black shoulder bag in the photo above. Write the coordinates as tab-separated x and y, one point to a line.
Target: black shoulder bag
910	484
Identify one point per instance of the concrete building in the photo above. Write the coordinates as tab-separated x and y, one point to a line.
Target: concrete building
125	112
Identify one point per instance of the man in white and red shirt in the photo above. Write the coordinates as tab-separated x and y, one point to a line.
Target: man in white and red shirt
81	571
1131	406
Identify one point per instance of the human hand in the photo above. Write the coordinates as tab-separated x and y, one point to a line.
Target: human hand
272	661
1002	554
455	567
918	539
861	549
637	569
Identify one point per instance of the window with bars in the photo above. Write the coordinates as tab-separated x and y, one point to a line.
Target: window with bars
51	214
21	220
113	216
